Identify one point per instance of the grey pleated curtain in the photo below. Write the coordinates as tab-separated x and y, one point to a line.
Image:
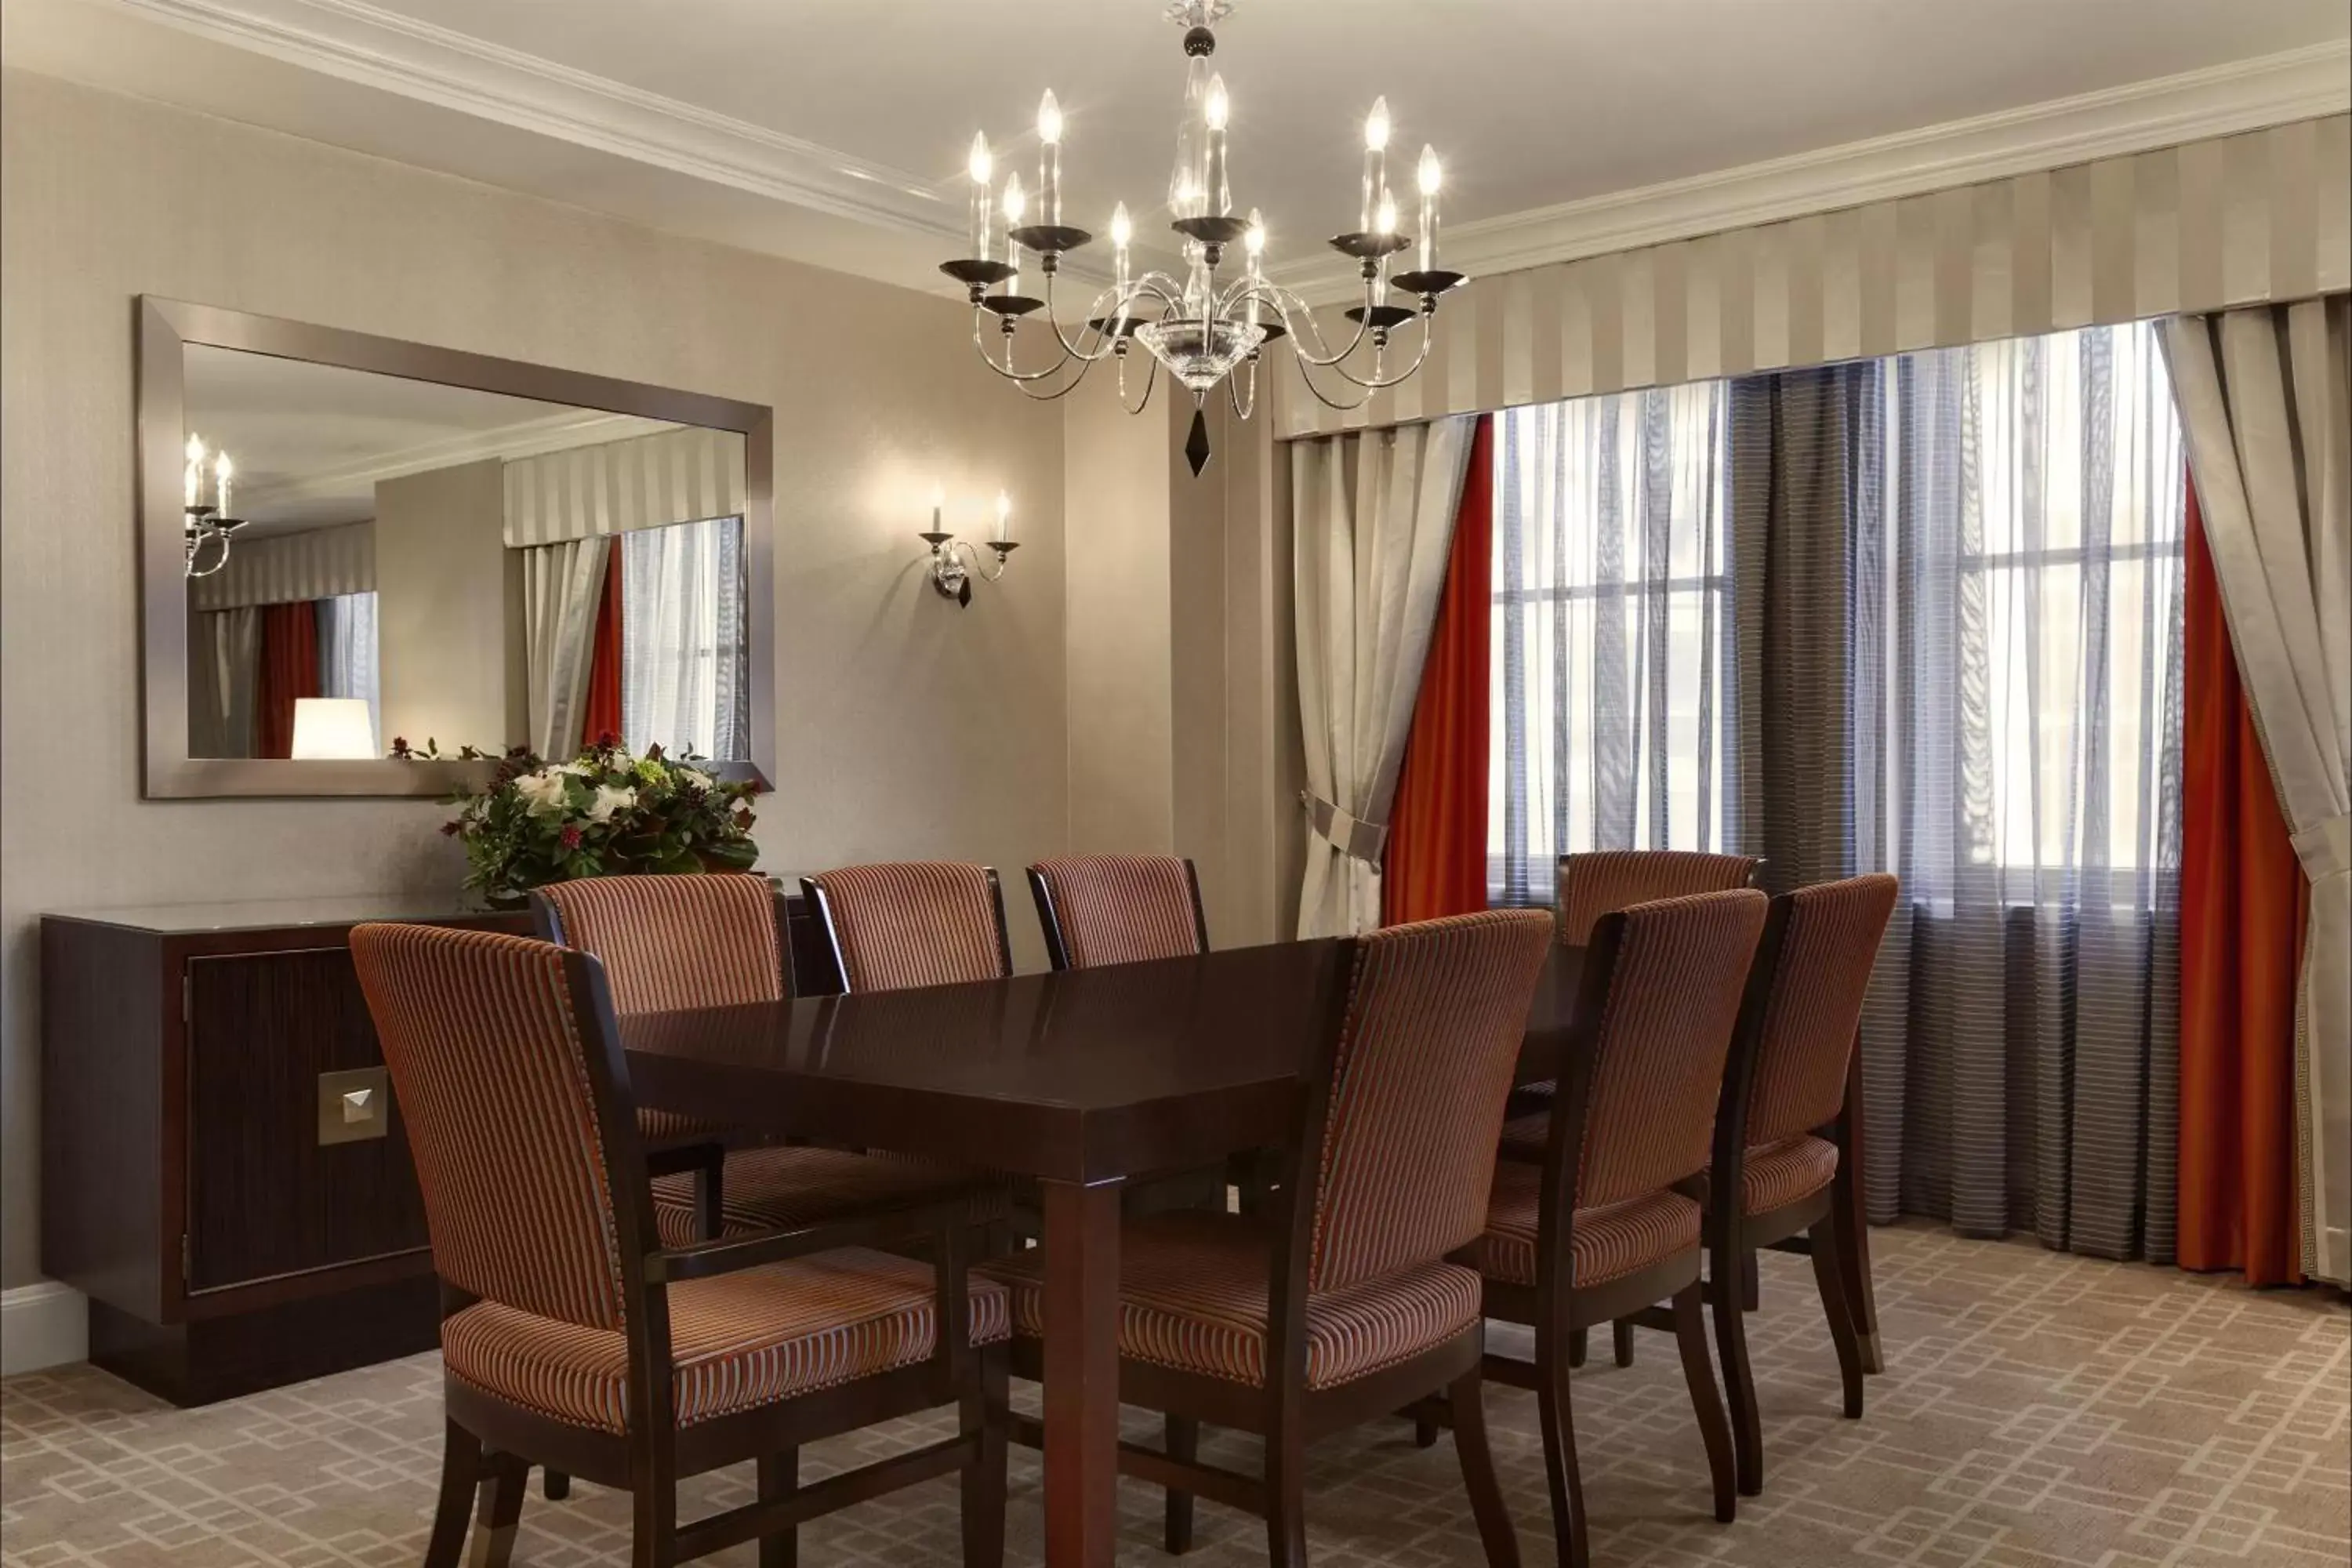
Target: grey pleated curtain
2267	402
1960	622
1610	589
224	676
347	653
684	678
562	586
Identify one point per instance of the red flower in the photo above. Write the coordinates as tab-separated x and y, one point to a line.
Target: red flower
570	836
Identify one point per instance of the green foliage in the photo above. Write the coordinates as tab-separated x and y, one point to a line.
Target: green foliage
604	814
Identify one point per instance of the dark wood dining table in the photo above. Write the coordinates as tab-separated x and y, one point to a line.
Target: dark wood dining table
1083	1081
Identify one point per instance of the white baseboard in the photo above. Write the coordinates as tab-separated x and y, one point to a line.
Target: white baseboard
42	1325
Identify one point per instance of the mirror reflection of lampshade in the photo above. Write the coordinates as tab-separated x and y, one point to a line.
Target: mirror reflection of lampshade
332	727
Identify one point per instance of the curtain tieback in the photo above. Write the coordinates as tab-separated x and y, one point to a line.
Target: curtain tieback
2326	846
1349	835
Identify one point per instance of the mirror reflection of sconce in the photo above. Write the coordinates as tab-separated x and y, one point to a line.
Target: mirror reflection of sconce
954	560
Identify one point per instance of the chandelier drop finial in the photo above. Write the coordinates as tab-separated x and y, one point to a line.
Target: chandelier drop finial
1204	332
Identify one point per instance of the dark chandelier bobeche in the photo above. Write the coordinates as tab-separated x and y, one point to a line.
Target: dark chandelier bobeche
1203	333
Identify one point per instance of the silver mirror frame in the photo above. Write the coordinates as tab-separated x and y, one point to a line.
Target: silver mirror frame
167	326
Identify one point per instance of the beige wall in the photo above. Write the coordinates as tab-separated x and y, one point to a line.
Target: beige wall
907	727
442	615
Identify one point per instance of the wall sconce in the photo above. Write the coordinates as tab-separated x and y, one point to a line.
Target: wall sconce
950	575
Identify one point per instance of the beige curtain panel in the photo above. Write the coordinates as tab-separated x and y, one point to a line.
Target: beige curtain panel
288	568
1373	522
2267	412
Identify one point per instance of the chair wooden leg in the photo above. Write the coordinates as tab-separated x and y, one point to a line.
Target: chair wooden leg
1182	1443
1558	1420
1752	1283
653	1525
1424	1432
779	1478
499	1510
1285	1495
1468	1400
1690	1335
461	1467
1854	1267
554	1485
1829	1279
1576	1347
983	1482
1620	1341
1739	1379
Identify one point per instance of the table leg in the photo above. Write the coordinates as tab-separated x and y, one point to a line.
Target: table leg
1081	1394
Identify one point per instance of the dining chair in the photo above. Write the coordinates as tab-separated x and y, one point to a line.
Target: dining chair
1337	1303
1590	885
572	1337
921	922
1607	1226
1117	909
1784	1134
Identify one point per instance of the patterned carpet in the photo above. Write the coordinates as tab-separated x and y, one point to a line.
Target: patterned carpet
2038	1411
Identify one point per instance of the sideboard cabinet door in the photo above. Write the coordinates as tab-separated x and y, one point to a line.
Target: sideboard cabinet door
272	1190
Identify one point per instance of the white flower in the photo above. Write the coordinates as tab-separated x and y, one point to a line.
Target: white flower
693	777
542	791
570	770
610	800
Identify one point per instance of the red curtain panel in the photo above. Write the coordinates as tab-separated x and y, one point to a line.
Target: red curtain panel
2242	897
289	669
1436	859
601	715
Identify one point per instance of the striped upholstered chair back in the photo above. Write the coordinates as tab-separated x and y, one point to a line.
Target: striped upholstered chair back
1595	884
1117	909
1828	943
481	1034
1664	984
924	922
704	940
1436	1015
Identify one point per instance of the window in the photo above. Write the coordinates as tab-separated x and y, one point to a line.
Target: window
1611	593
684	650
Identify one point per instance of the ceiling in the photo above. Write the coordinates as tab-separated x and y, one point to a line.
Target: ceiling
835	130
309	442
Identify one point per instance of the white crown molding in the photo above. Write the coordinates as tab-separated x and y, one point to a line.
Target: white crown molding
43	1324
359	43
2220	100
530	438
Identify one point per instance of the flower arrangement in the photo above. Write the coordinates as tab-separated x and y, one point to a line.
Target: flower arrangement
604	814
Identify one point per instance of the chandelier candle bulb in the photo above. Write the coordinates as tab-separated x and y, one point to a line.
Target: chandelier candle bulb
1049	159
193	476
1431	177
983	201
1217	189
1376	160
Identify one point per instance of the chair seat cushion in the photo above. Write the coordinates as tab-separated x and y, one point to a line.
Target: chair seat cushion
1192	1297
737	1340
788	1188
659	1127
1608	1242
1773	1174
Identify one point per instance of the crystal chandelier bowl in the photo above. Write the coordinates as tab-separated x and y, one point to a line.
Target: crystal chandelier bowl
1200	353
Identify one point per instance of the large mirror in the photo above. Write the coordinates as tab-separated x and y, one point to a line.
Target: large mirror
360	553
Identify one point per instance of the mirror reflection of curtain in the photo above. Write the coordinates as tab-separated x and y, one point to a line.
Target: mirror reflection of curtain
562	586
347	654
289	672
684	658
224	656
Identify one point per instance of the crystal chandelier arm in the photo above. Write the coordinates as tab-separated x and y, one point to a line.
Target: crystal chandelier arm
1298	320
1150	380
1378	383
1244	407
1095	311
1004	367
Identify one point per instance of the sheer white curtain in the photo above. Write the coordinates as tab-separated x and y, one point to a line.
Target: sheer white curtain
224	673
347	653
1610	633
684	653
1374	520
2267	399
562	586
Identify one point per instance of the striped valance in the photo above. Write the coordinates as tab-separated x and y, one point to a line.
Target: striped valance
687	475
2228	221
289	568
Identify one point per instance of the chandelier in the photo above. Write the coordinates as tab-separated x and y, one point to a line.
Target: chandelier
206	524
1204	329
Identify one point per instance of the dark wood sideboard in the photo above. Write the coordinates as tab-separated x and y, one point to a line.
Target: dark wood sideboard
222	1169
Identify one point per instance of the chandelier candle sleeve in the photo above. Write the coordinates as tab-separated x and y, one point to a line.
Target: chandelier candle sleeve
1015	204
1376	162
1216	190
1431	176
983	201
222	469
192	476
1049	159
